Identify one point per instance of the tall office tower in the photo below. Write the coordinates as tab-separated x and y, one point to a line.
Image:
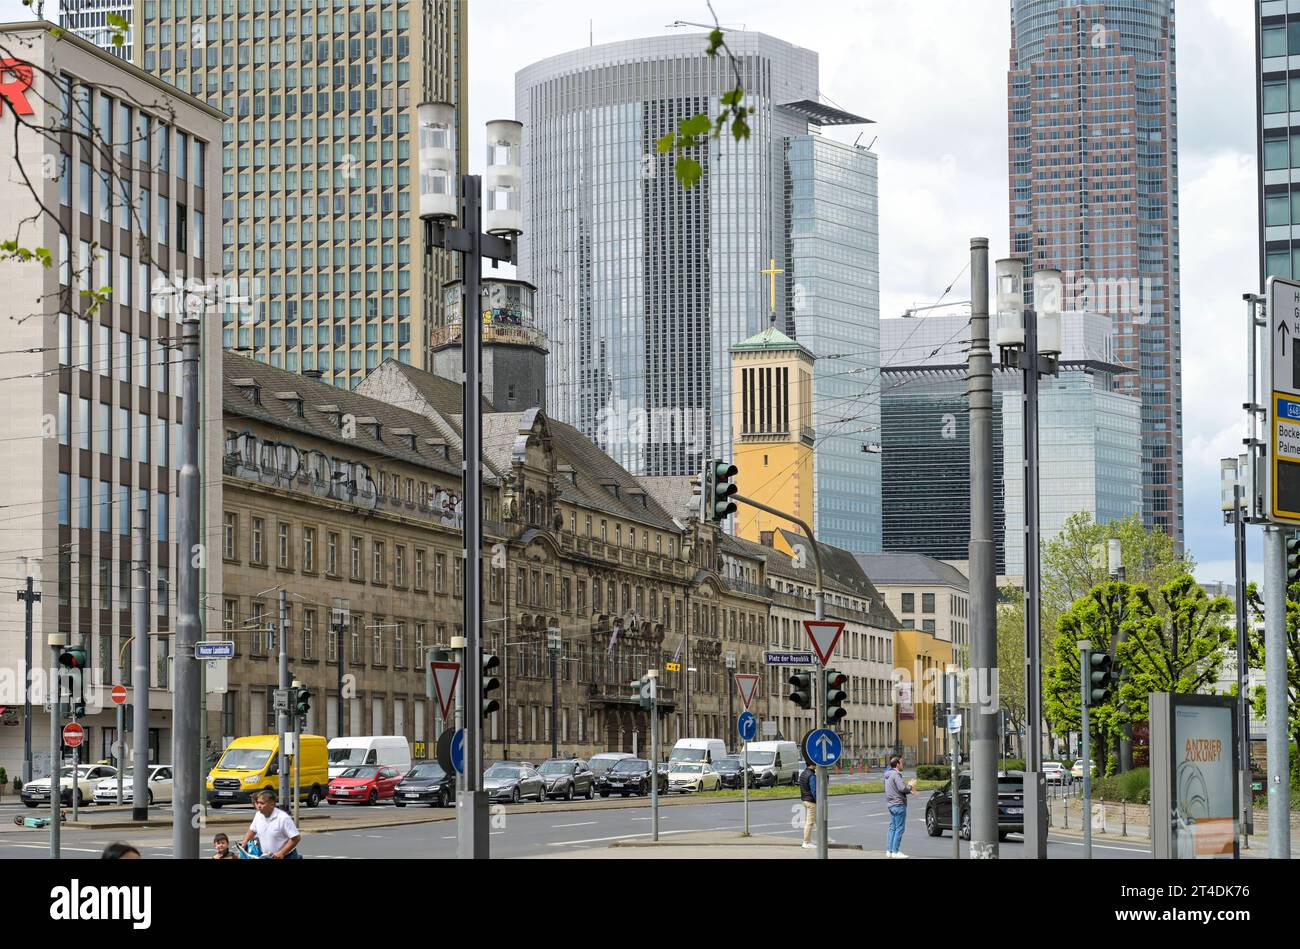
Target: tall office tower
646	286
1279	139
319	177
89	20
93	400
1094	194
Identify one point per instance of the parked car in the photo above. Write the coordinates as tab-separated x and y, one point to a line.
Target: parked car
1011	806
364	784
1077	771
1057	773
87	776
512	781
568	778
159	786
687	776
630	776
426	783
731	772
601	763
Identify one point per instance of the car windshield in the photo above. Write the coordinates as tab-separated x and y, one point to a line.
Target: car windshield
1010	785
631	764
556	767
688	754
689	768
433	771
601	765
728	764
244	759
503	771
340	756
366	772
762	757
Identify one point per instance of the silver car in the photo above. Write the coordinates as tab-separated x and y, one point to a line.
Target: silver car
510	782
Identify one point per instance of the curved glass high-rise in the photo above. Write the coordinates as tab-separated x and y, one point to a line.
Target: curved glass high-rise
644	286
1094	193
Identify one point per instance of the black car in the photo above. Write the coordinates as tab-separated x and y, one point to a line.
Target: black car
1011	806
568	778
730	770
426	783
630	776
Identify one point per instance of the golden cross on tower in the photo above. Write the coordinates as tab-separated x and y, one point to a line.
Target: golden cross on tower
771	273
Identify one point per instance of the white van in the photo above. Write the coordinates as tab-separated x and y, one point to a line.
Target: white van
698	750
390	750
774	762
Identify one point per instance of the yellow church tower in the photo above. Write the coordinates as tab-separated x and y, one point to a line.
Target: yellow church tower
771	388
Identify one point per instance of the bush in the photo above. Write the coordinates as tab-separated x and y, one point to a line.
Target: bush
1131	786
1011	764
933	772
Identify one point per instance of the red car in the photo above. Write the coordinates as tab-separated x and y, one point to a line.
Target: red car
365	784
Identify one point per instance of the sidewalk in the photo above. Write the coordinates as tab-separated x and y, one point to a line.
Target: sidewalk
712	845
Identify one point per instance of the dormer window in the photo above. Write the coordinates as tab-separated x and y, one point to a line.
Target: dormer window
333	413
612	487
250	389
438	447
406	437
371	427
293	400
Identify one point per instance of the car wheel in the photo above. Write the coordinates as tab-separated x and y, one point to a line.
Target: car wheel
398	803
932	823
965	825
623	794
602	794
1003	835
150	797
331	800
568	794
591	792
444	798
313	799
373	799
29	803
218	806
514	796
81	798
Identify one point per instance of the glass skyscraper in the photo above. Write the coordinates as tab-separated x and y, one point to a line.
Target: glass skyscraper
89	20
1093	126
644	286
318	161
1279	138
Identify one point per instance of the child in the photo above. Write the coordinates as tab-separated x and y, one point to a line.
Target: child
222	843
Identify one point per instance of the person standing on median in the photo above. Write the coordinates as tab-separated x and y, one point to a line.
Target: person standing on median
808	794
896	792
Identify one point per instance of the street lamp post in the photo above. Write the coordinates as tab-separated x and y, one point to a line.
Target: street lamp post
731	693
1029	339
458	226
553	648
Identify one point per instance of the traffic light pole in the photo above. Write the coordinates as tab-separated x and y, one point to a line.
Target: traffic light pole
140	676
57	641
282	718
1085	687
190	697
1275	666
30	597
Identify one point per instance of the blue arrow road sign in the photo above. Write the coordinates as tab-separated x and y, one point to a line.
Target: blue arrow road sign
747	726
825	747
458	751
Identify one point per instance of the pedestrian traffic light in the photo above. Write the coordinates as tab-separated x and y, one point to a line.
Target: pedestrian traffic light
304	701
802	695
1292	558
643	691
1101	677
719	489
489	684
835	696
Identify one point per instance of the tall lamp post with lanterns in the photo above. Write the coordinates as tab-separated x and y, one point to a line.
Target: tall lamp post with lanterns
458	218
1029	340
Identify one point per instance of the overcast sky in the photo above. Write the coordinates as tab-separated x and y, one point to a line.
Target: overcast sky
933	77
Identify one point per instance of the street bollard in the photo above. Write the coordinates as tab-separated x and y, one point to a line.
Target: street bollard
1123	816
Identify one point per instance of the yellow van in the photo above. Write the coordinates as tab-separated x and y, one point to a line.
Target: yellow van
250	764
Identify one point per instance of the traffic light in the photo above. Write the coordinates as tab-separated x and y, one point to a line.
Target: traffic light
1101	677
75	659
490	683
1292	558
643	691
719	489
940	716
304	701
835	696
802	695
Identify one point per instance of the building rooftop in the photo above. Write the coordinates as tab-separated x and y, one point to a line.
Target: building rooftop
916	569
771	340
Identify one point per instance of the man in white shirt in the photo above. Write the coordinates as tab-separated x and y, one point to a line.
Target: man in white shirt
274	829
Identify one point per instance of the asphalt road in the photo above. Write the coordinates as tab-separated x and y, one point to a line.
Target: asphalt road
859	819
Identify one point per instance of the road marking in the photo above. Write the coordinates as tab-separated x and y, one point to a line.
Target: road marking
585	823
597	840
1079	843
47	847
371	836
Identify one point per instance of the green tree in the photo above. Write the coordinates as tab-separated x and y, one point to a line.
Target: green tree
1255	654
1176	642
1011	657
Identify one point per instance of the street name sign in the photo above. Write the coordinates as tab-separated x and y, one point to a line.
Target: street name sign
779	658
210	650
1282	482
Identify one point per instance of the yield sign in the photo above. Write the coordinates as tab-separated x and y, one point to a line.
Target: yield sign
824	634
445	676
747	683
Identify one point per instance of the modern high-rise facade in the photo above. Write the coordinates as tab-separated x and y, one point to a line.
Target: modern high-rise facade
1090	447
1094	193
89	20
92	394
646	285
1278	74
319	174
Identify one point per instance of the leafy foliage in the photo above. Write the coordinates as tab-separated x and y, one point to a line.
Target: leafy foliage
1255	653
1011	656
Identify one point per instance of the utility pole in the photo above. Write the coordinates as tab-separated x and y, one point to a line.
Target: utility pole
1238	521
282	717
983	567
1275	686
140	678
654	754
339	620
1085	688
30	596
731	694
187	787
950	702
461	230
56	642
553	647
